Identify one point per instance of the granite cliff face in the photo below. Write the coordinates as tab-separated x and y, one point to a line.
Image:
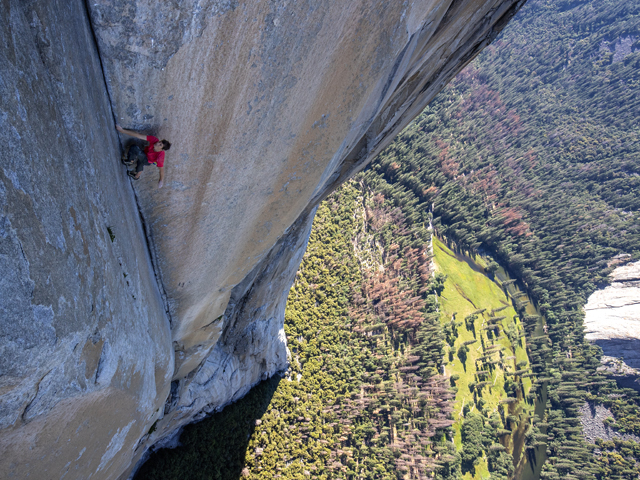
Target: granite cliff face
119	327
612	321
86	355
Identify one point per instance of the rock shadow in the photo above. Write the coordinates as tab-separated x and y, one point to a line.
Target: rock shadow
625	348
214	448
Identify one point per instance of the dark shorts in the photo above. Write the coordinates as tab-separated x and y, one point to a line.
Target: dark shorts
137	155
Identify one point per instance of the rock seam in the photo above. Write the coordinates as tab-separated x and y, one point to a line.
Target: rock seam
147	232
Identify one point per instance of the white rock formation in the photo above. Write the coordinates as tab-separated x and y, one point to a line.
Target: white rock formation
612	321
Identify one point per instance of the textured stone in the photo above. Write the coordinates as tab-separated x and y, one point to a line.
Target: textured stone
270	106
592	418
612	318
624	375
85	351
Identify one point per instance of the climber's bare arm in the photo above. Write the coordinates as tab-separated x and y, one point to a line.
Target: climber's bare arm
161	173
131	133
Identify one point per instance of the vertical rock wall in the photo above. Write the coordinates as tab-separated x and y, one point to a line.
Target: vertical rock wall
269	106
85	347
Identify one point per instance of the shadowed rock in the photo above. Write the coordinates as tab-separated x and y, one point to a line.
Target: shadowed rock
86	357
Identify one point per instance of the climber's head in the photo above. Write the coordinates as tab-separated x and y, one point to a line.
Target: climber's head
161	145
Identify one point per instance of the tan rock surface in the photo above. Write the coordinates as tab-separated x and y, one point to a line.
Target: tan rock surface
269	107
272	102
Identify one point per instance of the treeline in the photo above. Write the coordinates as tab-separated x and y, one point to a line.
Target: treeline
531	154
364	396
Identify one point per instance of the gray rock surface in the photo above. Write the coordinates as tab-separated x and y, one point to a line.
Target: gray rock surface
624	375
270	106
275	102
278	102
592	418
612	321
85	345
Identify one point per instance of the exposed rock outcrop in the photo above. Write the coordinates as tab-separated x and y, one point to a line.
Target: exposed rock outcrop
592	418
612	321
108	330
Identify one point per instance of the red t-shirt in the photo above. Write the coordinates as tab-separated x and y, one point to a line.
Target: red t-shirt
157	158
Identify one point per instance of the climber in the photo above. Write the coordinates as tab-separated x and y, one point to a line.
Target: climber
153	154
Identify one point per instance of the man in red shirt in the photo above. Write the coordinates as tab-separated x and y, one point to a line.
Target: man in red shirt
153	154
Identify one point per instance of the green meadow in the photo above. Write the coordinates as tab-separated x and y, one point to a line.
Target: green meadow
494	353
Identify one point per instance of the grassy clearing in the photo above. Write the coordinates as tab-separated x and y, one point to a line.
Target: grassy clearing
466	291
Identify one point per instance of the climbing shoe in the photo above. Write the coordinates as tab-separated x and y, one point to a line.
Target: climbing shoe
133	175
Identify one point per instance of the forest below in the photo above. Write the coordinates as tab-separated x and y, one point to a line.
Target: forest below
406	366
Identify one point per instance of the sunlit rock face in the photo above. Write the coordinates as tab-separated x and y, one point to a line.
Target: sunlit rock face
116	332
86	355
612	321
269	105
